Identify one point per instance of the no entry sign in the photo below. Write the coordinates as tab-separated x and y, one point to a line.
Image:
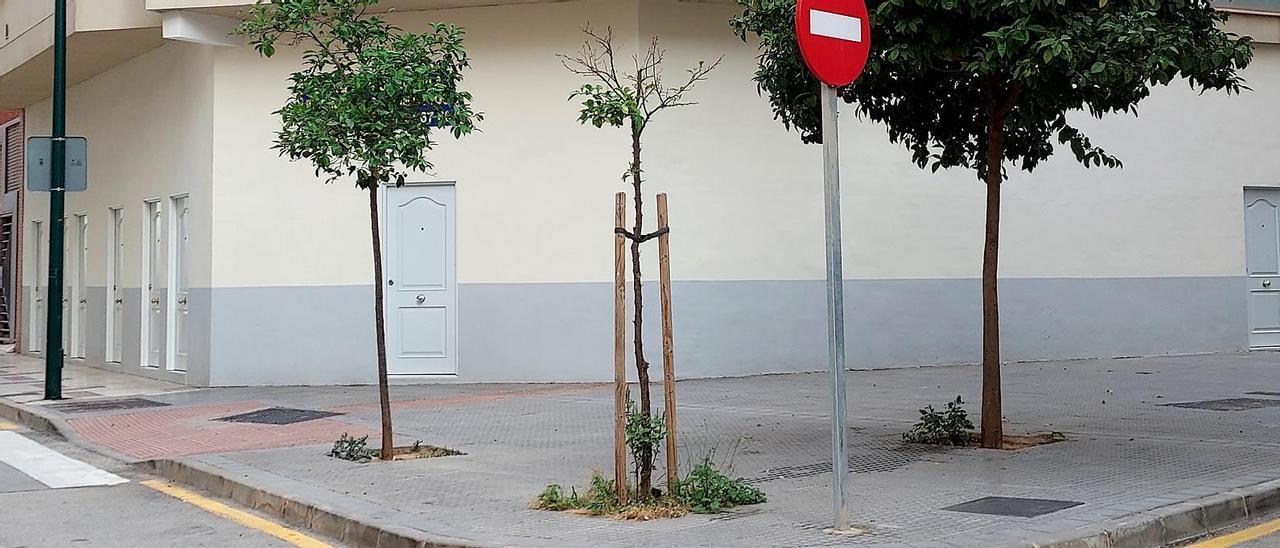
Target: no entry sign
835	38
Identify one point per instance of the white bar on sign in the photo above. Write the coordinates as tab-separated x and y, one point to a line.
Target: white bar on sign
835	25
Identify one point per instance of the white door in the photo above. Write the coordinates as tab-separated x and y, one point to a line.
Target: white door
68	284
80	295
421	293
179	217
153	329
115	297
38	315
1262	259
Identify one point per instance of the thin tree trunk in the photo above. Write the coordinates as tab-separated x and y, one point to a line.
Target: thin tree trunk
992	414
379	322
645	466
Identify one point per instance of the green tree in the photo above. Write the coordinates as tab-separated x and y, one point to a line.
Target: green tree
631	98
978	84
363	107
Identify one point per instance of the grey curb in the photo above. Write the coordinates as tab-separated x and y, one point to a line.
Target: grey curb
353	525
346	525
1174	523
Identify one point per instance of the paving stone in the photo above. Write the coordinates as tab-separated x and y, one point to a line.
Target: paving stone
1122	459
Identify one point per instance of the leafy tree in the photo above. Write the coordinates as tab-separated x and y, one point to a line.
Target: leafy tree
363	107
978	84
631	99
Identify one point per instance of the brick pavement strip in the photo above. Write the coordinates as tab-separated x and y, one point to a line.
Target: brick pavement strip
1147	473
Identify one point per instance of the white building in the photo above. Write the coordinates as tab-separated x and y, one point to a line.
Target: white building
200	256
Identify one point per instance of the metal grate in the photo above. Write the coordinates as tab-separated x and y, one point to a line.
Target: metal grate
1229	404
278	415
1013	506
90	406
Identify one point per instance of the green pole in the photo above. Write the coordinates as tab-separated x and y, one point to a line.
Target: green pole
53	333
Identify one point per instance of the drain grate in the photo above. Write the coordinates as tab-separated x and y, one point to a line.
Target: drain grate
1229	404
278	415
1013	506
105	405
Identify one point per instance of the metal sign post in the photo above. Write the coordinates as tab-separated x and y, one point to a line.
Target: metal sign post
834	39
835	306
53	331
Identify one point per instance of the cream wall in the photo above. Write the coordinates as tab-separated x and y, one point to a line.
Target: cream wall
535	188
148	125
1174	210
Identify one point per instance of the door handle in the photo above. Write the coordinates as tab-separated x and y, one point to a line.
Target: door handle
119	301
182	301
155	301
421	298
1266	283
82	301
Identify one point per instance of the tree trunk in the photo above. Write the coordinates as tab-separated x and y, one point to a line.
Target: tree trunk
380	328
645	466
992	414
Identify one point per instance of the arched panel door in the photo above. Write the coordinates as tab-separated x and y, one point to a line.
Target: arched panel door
1262	260
420	280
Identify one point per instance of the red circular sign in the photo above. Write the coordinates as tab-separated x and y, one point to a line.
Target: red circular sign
835	38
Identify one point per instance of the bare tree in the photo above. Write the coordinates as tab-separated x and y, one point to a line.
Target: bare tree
631	99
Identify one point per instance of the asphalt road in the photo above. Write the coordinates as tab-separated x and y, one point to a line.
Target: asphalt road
48	499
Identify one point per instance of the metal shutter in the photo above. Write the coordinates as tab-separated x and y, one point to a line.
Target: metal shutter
13	157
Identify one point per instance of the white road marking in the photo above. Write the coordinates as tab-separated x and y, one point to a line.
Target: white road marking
50	467
835	25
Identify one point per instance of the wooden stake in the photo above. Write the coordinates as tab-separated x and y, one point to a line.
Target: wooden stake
668	352
619	351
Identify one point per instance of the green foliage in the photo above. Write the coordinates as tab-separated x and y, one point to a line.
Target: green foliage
369	94
708	491
645	433
949	427
631	98
352	449
942	70
602	106
598	499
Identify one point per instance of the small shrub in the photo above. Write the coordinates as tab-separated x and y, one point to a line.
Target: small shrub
554	499
708	491
644	436
352	449
598	499
949	427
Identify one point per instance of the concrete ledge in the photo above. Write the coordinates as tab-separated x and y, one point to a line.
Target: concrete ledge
356	522
1174	523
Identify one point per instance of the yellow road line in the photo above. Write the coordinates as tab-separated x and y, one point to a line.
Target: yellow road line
1238	537
8	426
243	518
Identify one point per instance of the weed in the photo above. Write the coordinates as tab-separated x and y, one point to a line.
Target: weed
644	435
352	449
706	490
949	427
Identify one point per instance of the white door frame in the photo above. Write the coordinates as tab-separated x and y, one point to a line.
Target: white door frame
38	321
79	288
150	209
453	306
176	295
115	301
